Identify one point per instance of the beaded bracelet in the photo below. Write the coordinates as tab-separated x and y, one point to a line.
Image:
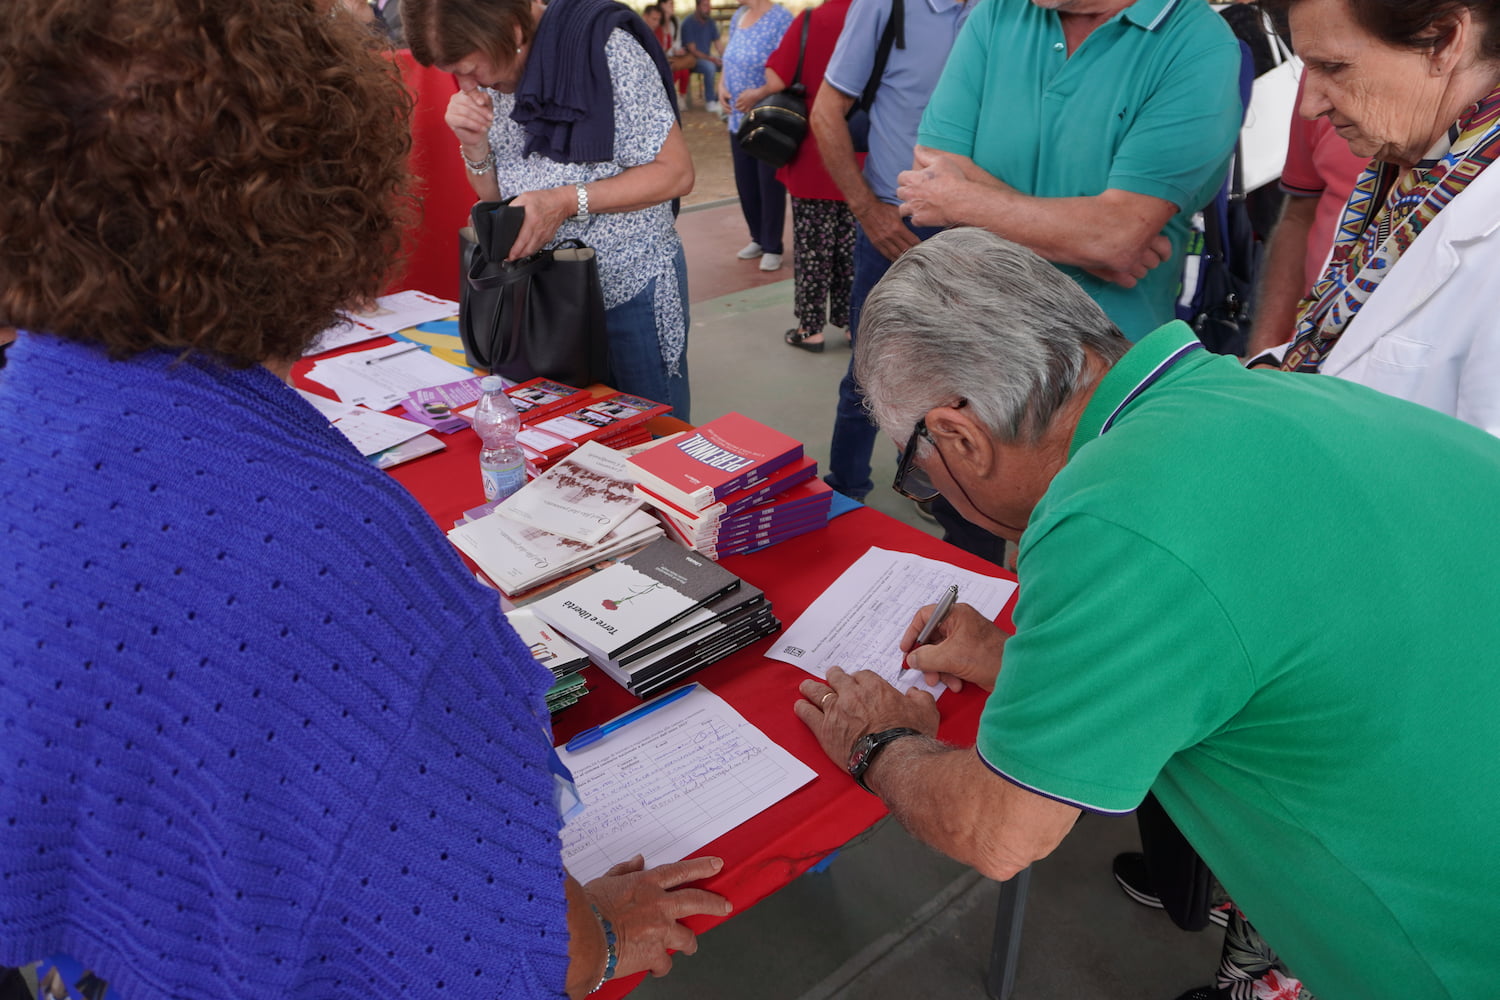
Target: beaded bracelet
612	953
478	167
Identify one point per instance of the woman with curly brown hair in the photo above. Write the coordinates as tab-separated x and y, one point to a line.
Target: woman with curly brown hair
263	735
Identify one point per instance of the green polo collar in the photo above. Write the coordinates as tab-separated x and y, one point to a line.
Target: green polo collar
1171	348
1148	14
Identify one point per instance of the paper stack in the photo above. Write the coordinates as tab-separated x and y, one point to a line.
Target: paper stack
557	654
519	558
732	486
658	616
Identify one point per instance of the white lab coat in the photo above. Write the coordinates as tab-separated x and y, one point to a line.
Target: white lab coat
1431	332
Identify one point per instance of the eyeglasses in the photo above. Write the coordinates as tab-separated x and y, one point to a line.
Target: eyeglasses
911	482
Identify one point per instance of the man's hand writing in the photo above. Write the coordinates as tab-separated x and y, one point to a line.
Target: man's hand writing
645	905
851	705
966	646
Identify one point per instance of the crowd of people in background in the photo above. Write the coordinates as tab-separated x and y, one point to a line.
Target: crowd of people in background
994	207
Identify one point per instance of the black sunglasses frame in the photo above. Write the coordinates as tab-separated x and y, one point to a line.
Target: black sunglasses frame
907	466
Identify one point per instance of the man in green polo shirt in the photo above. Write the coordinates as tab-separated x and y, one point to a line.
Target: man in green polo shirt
1311	697
1087	130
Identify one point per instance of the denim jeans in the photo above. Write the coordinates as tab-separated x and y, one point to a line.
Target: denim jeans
762	198
635	362
710	75
853	432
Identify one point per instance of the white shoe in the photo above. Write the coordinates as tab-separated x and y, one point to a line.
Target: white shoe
751	251
770	262
712	107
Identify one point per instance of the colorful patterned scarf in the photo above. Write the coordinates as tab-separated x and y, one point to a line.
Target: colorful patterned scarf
1387	210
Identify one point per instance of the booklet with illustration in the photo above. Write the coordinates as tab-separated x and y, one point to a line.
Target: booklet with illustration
584	496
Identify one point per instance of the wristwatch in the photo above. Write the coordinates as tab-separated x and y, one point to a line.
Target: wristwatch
867	746
582	215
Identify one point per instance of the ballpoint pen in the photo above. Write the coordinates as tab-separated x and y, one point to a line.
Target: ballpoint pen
394	354
596	733
944	605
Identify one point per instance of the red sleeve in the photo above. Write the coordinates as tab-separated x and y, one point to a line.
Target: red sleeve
784	60
1299	176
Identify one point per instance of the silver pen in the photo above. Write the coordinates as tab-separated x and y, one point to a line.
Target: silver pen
944	605
394	354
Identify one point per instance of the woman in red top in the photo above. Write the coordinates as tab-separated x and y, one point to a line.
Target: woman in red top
822	225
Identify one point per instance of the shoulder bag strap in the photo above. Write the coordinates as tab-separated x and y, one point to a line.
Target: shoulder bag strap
893	35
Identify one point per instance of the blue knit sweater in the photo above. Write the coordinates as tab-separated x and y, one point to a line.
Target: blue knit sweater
261	734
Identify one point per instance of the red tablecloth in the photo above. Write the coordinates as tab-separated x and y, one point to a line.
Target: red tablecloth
781	843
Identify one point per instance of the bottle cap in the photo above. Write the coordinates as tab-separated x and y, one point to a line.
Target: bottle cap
491	383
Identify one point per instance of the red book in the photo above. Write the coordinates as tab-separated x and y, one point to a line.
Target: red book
613	420
541	398
722	457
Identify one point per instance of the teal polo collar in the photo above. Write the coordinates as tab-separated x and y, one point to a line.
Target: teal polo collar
1149	14
1141	367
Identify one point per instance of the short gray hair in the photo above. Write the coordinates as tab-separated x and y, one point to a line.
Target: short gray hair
968	315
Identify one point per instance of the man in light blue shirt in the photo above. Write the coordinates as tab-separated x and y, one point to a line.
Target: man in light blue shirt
924	34
1088	131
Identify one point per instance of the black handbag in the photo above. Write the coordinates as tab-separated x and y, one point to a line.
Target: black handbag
775	127
542	316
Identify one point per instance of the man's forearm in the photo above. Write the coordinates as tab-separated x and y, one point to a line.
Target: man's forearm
1097	233
948	799
837	147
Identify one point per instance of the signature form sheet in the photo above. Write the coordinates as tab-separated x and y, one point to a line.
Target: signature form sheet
670	782
858	622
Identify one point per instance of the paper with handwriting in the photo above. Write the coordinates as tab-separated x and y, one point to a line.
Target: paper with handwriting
670	782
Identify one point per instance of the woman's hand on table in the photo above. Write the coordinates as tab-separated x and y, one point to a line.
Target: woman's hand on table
546	210
644	906
850	705
469	115
965	646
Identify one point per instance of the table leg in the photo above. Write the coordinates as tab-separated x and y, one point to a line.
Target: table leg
1006	946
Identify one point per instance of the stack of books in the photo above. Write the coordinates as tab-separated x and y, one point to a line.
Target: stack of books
657	616
732	486
615	421
565	660
519	559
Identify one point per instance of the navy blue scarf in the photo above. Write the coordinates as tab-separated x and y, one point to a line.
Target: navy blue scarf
566	101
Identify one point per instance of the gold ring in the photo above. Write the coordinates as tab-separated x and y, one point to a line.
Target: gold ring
822	702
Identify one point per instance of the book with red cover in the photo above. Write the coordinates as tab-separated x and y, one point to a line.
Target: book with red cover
783	479
722	457
805	498
541	398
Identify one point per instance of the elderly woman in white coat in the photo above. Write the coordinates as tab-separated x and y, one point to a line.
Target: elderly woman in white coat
1403	305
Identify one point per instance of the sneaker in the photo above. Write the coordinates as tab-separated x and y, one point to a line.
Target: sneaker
712	107
750	251
1134	879
770	262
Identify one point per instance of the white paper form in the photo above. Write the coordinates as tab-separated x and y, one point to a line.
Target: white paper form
858	622
391	314
380	378
368	430
670	782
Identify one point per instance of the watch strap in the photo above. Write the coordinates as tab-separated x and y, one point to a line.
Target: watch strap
867	747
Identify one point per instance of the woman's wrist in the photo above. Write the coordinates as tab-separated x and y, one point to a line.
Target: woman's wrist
480	164
611	948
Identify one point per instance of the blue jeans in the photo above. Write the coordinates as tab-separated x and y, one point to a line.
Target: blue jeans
635	362
710	74
853	431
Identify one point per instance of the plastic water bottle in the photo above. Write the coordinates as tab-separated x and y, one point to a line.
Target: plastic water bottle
501	462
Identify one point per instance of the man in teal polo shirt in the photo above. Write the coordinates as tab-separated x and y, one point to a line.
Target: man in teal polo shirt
1315	713
1089	131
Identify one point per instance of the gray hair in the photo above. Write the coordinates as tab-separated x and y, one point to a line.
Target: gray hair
968	315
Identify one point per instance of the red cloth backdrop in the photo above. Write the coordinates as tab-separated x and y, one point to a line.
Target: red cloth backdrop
430	247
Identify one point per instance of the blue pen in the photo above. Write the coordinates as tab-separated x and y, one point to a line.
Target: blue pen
597	733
